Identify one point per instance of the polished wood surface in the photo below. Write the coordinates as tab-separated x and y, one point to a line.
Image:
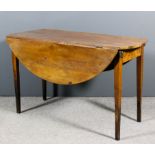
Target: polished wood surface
64	57
82	39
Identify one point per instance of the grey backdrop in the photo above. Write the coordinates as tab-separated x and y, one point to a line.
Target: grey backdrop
140	24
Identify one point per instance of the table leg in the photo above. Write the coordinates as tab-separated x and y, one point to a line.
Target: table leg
15	63
55	90
140	62
44	89
118	95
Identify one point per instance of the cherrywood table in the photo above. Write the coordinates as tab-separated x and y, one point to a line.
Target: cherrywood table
67	58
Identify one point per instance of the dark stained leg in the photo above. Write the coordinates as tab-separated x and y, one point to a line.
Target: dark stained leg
118	95
15	63
140	62
44	89
55	90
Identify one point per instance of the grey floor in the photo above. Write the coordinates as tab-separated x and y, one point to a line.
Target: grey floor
74	120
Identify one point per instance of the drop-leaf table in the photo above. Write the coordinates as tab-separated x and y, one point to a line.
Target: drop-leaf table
67	58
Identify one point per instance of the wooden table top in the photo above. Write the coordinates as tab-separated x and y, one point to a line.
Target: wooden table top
65	57
84	39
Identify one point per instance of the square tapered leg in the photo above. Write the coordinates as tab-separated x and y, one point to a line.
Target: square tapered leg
118	95
15	63
140	62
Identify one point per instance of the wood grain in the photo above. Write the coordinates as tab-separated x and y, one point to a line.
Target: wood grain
65	57
131	54
61	64
82	39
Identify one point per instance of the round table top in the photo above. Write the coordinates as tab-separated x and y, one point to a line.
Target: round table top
65	57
